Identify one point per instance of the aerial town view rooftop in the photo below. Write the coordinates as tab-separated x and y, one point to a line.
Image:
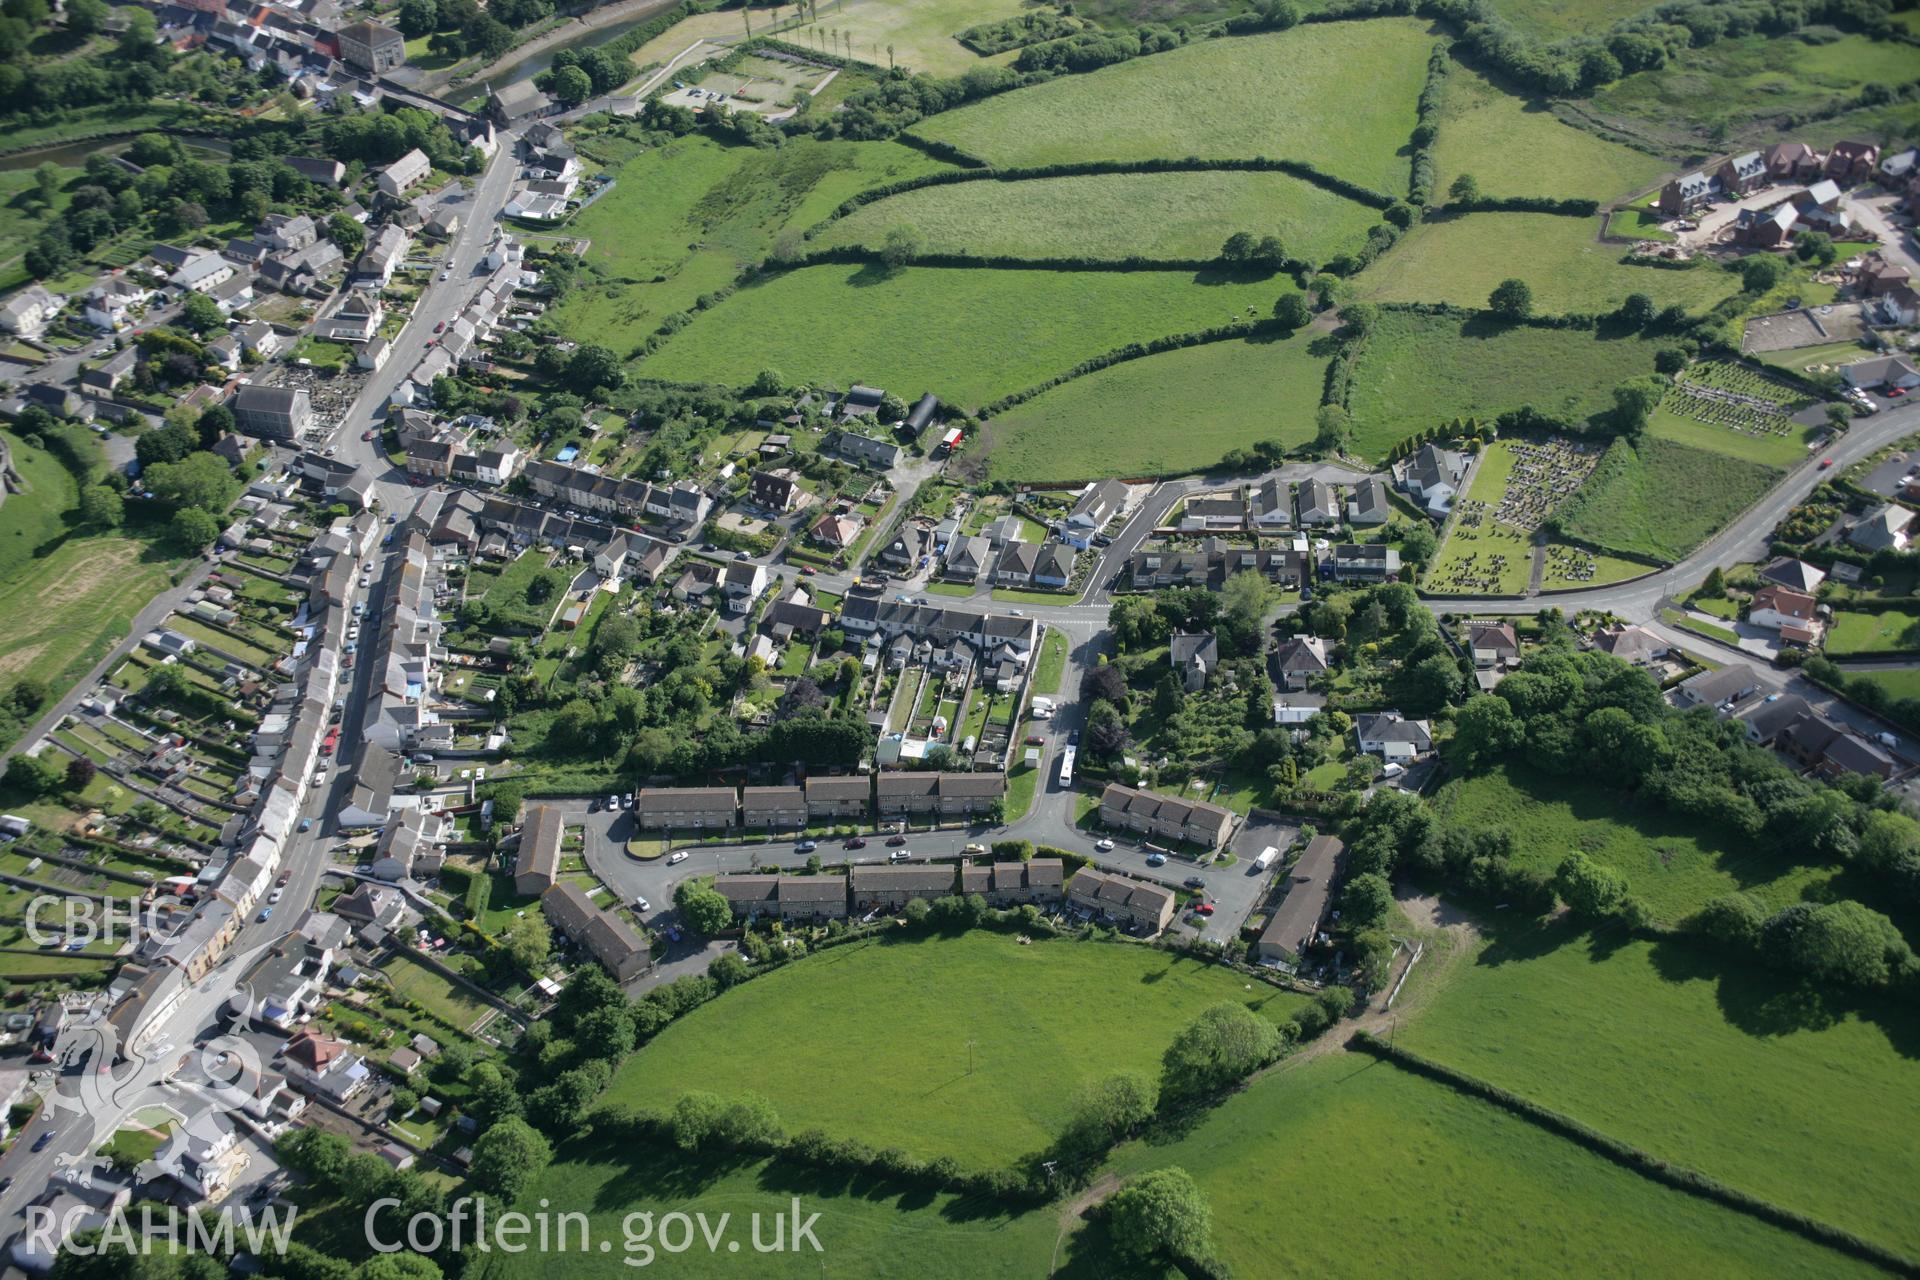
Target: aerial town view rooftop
959	638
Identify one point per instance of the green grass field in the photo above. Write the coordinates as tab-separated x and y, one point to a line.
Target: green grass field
1263	95
1698	1061
917	36
966	335
1671	862
1892	631
1460	260
1808	359
823	1038
431	991
1417	371
688	216
1729	89
1513	147
866	1228
1447	1186
1902	683
1161	414
1550	20
1636	508
1153	215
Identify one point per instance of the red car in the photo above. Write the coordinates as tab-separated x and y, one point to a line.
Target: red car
1825	463
807	571
1894	393
1035	740
367	434
855	843
442	325
1204	908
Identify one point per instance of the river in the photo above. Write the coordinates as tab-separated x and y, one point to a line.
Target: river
537	55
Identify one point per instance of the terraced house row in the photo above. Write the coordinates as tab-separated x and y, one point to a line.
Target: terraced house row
950	795
889	888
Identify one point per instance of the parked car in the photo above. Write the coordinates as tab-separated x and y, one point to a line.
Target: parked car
284	877
855	843
897	840
1194	882
613	802
678	858
805	846
275	895
626	801
900	855
367	434
641	904
1104	846
1204	908
266	913
306	824
807	571
1156	859
1036	740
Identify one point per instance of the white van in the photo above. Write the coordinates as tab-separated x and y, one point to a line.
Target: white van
1267	857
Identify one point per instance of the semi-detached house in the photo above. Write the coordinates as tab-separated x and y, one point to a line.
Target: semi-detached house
694	808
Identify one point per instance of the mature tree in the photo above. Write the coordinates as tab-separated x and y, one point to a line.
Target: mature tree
1732	919
902	245
703	908
1637	311
1332	429
1136	622
1816	247
1359	318
201	312
1169	695
1244	601
1511	300
508	1156
1428	685
571	86
1761	272
418	18
593	369
1224	1044
86	17
1841	942
1104	683
1292	311
1715	585
1635	401
1106	1112
347	234
1365	901
1590	889
605	1033
80	771
1161	1214
1238	247
1483	730
102	507
1106	733
1464	190
193	529
528	941
202	480
729	969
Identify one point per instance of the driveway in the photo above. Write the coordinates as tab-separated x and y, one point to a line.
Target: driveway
1896	246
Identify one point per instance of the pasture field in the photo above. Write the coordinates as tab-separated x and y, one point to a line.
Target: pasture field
901	1019
866	1227
1161	414
1890	631
1732	88
967	335
1259	95
1448	1186
1674	864
1417	371
1633	502
688	216
1697	1060
1901	683
917	36
1485	555
1460	260
1550	20
1513	147
1152	215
